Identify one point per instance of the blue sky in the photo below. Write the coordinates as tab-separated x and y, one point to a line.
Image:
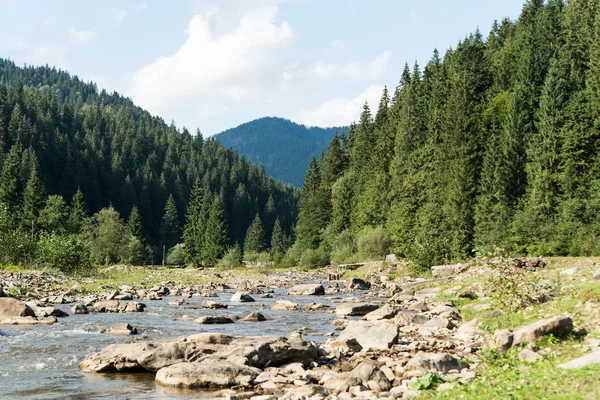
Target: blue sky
214	64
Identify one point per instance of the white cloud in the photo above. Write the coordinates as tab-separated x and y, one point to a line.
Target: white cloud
80	37
341	111
354	70
141	5
230	66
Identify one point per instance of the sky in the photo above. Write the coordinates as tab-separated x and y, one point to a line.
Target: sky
215	64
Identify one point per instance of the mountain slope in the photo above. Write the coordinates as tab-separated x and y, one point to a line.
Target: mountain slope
282	146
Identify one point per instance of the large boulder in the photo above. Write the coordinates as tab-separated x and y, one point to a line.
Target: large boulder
371	376
355	309
151	356
442	271
206	374
122	329
588	359
357	284
240	297
79	309
43	312
117	306
388	311
284	305
422	363
371	334
556	326
254	317
13	308
213	319
307	290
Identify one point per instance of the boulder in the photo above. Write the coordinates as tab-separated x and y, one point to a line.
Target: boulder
556	326
206	374
214	305
213	319
240	297
596	276
79	309
588	359
13	308
404	318
117	306
443	271
284	305
422	363
177	302
370	373
28	321
306	392
254	317
307	290
427	293
388	311
357	284
503	339
371	334
43	312
122	328
151	356
529	356
354	309
469	331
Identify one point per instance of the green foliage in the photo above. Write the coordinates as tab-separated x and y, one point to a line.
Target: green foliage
314	258
107	237
215	239
262	257
278	239
33	198
54	216
79	213
16	247
169	229
175	255
68	253
373	243
195	225
255	237
430	380
138	253
232	258
343	248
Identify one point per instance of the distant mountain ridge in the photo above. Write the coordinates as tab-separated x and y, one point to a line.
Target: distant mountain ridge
282	146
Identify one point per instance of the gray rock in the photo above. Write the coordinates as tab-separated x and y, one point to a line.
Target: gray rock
214	305
306	392
213	319
122	328
254	317
79	309
422	363
116	306
503	339
469	331
355	309
404	318
371	334
206	374
419	306
557	326
285	305
307	290
427	293
13	308
527	355
368	372
388	311
240	297
588	359
43	312
357	284
442	271
596	276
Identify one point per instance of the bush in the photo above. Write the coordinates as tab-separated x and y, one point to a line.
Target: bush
314	258
137	253
232	258
263	257
68	253
374	243
16	247
343	248
175	255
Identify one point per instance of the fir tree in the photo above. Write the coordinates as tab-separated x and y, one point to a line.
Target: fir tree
255	237
278	242
11	187
170	224
33	199
215	238
195	224
134	224
79	212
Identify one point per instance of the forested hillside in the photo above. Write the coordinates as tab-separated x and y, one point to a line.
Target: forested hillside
490	148
282	146
68	151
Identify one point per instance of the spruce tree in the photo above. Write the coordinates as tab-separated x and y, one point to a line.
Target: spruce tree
170	232
195	224
216	236
79	212
33	199
255	237
11	187
278	244
134	224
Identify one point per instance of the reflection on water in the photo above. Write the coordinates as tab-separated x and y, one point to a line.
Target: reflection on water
40	362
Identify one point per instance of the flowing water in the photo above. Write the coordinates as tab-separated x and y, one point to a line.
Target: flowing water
40	362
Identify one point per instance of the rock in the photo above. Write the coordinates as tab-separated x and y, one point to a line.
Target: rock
341	383
284	305
438	323
557	326
392	259
404	318
206	374
427	293
388	311
240	297
122	328
123	297
306	392
151	356
177	302
588	359
596	276
342	345
527	355
443	271
503	339
116	306
214	305
254	317
213	319
2	294
370	373
13	308
79	309
422	363
371	334
350	309
357	284
419	306
469	331
307	290
43	312
28	321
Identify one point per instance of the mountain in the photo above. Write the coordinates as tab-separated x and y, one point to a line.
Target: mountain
59	134
282	146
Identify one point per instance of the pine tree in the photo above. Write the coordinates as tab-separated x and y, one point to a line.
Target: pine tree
54	216
269	216
11	187
33	199
195	224
170	232
79	212
278	245
216	237
134	224
255	237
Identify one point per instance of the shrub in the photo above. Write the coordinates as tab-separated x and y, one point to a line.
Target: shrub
314	258
175	255
232	258
253	256
343	248
137	253
68	253
374	243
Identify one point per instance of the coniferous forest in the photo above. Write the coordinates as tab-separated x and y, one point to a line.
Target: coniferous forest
489	148
88	177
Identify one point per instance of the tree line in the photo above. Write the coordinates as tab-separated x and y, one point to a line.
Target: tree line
491	148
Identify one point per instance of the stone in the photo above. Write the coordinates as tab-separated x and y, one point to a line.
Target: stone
284	305
2	294
370	373
13	308
357	284
355	309
588	359
556	326
388	311
151	356
371	334
79	309
392	259
419	306
240	297
503	339
306	392
469	331
43	312
213	319
307	290
596	276
28	321
341	383
427	293
122	328
214	305
254	317
422	363
177	302
123	297
116	306
438	323
443	271
529	356
206	374
405	318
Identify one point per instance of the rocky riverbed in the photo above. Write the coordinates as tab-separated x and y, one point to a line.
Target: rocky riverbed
294	336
